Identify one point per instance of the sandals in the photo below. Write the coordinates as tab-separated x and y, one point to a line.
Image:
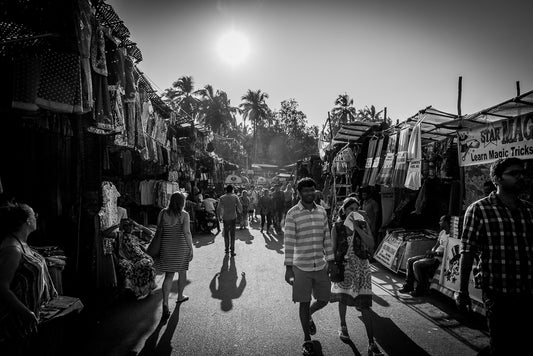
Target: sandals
343	333
312	327
308	348
184	299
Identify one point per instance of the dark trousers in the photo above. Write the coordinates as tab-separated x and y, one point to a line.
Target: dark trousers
420	269
504	312
229	234
266	218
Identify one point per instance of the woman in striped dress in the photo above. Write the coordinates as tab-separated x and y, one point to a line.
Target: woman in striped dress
176	248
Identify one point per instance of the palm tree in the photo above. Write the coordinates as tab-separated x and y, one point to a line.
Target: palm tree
369	114
343	111
180	97
215	110
255	109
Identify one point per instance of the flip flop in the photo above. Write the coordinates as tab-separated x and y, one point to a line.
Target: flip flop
182	300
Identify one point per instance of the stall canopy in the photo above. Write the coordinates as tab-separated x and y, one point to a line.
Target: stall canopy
518	106
432	124
354	131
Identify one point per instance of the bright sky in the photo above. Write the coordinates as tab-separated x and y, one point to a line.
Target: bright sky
403	55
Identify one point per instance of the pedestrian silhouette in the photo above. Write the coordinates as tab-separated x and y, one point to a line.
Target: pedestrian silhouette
224	286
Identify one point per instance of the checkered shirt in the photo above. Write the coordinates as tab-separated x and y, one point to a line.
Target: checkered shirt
504	239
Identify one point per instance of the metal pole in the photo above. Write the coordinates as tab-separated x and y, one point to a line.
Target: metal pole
460	91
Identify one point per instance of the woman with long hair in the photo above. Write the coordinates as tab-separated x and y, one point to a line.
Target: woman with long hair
176	249
352	241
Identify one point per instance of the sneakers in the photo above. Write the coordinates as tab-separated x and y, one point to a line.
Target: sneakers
373	350
343	333
312	327
406	289
308	348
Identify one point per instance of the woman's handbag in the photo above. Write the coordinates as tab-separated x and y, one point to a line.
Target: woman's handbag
154	248
363	241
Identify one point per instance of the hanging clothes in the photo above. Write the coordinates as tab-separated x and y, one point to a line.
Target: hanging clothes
400	168
378	160
413	178
372	146
385	174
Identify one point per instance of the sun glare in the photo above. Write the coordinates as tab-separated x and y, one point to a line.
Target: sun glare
233	48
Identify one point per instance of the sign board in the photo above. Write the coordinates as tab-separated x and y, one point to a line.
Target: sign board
388	253
449	271
502	139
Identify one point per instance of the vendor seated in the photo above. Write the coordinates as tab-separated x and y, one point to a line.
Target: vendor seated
420	269
135	267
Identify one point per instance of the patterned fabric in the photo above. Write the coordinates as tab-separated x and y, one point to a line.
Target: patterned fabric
109	211
31	284
174	253
379	157
400	168
356	288
307	238
135	267
504	239
372	146
60	83
385	174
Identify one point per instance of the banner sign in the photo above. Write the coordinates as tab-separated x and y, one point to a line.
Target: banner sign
502	139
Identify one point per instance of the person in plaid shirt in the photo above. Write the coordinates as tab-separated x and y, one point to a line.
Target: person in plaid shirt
308	255
500	228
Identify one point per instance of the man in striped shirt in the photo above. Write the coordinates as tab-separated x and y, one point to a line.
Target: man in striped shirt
500	228
307	248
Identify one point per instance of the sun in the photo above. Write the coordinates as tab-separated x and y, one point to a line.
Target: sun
233	47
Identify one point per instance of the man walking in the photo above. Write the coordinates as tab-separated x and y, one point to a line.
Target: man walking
307	248
228	207
500	229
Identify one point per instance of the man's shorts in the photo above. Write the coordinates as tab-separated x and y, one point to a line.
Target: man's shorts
316	283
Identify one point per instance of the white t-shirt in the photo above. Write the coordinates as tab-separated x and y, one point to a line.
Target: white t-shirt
443	238
209	204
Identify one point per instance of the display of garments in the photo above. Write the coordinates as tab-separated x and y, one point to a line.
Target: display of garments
400	168
372	146
102	106
135	267
146	187
98	59
381	150
109	212
385	174
60	83
26	76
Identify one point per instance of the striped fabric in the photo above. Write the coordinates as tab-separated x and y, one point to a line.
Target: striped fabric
504	239
307	238
174	255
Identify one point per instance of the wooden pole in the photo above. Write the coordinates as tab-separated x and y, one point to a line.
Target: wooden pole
330	128
517	88
385	114
460	92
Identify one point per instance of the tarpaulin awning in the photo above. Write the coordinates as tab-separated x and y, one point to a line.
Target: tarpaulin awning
518	106
432	124
354	131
